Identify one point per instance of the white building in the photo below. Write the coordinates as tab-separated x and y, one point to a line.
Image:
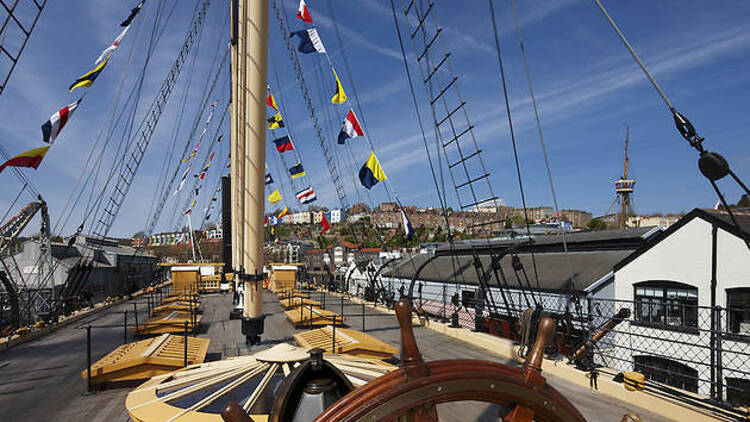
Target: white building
302	217
336	216
673	283
317	217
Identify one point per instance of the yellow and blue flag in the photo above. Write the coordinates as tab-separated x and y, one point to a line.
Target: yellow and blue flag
297	171
89	78
371	173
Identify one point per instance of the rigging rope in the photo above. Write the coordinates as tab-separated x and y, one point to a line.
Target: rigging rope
515	147
424	139
716	167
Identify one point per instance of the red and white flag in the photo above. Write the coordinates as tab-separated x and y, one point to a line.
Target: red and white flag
303	13
107	51
52	127
306	196
350	128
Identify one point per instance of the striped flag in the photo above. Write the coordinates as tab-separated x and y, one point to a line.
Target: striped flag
306	196
31	158
52	127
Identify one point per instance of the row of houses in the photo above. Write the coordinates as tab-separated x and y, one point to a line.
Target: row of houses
314	217
214	234
687	288
485	219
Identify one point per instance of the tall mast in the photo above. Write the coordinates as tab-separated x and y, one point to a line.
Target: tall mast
624	186
249	70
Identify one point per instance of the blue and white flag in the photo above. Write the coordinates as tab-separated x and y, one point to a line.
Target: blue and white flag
310	41
408	228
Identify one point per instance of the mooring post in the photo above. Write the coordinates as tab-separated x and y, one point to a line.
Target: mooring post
363	318
88	357
324	300
125	328
342	306
186	341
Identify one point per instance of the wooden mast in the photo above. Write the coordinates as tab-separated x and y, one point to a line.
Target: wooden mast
249	70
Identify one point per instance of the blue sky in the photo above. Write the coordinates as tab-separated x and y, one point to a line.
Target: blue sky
587	87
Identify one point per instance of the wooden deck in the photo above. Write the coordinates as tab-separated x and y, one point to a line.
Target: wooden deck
41	380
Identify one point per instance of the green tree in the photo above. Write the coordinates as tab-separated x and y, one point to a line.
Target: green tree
597	224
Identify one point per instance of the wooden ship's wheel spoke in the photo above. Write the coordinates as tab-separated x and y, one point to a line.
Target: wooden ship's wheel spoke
413	392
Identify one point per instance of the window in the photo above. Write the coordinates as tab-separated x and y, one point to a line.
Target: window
666	303
738	307
667	371
468	298
738	391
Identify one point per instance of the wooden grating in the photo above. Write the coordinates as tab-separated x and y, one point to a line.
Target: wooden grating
291	293
348	342
174	322
296	302
167	308
147	358
301	317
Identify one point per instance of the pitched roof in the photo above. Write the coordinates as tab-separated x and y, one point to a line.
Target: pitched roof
720	219
349	245
630	238
588	267
370	250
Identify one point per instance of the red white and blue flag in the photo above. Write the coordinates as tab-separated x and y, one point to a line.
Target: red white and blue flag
52	127
350	128
306	196
303	13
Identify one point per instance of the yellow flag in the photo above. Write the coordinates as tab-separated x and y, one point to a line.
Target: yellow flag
274	197
340	96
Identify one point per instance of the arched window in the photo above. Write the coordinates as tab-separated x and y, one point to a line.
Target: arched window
667	371
666	303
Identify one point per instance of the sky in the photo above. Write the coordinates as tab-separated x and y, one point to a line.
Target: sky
587	87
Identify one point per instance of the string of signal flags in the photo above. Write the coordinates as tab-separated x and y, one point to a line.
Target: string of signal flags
51	128
371	171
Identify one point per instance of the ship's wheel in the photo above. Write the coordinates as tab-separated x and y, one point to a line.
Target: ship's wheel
413	392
